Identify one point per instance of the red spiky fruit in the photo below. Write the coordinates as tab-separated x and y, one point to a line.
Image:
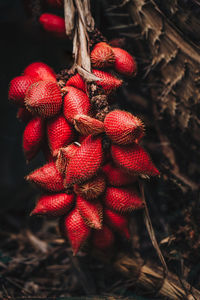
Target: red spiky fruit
55	3
103	239
24	115
18	87
124	62
108	82
53	205
40	71
47	177
53	24
76	230
122	200
59	133
117	222
32	137
92	213
64	155
87	161
77	82
123	128
87	125
76	102
91	189
102	55
116	176
133	159
44	98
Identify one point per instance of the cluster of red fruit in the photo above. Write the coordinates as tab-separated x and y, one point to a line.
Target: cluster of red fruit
91	189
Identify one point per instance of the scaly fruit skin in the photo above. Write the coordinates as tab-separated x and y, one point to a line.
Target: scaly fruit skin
123	128
87	125
87	161
134	160
64	155
117	222
53	24
24	115
77	82
91	189
55	3
53	205
102	55
108	82
122	200
124	62
32	137
91	212
76	230
59	134
76	102
40	71
116	176
47	177
44	98
103	239
18	87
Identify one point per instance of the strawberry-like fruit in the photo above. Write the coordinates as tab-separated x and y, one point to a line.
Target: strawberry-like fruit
117	222
133	159
87	125
44	99
124	62
87	161
59	133
108	82
92	213
102	55
24	115
116	176
32	138
64	155
76	102
123	128
103	239
122	200
53	205
77	82
53	24
47	177
40	71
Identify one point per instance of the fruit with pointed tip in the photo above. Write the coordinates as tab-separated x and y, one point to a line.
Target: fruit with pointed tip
40	71
116	177
102	55
117	222
53	24
77	82
64	155
124	62
103	239
108	82
87	125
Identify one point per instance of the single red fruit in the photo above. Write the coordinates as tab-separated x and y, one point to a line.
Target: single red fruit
18	87
102	56
124	62
55	3
24	115
87	161
44	99
53	24
53	205
133	159
108	82
47	177
103	239
59	133
122	200
116	176
32	138
77	82
76	102
87	125
92	213
40	71
123	128
117	222
64	155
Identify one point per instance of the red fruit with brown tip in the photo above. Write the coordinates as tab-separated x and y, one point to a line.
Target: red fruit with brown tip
53	24
32	137
124	62
87	161
123	128
87	125
44	99
122	200
18	87
102	56
117	222
55	3
134	160
116	176
108	82
103	239
77	82
64	155
47	177
53	205
40	71
92	213
59	134
75	103
24	115
76	230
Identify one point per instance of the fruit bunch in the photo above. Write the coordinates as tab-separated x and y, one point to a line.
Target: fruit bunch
93	155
